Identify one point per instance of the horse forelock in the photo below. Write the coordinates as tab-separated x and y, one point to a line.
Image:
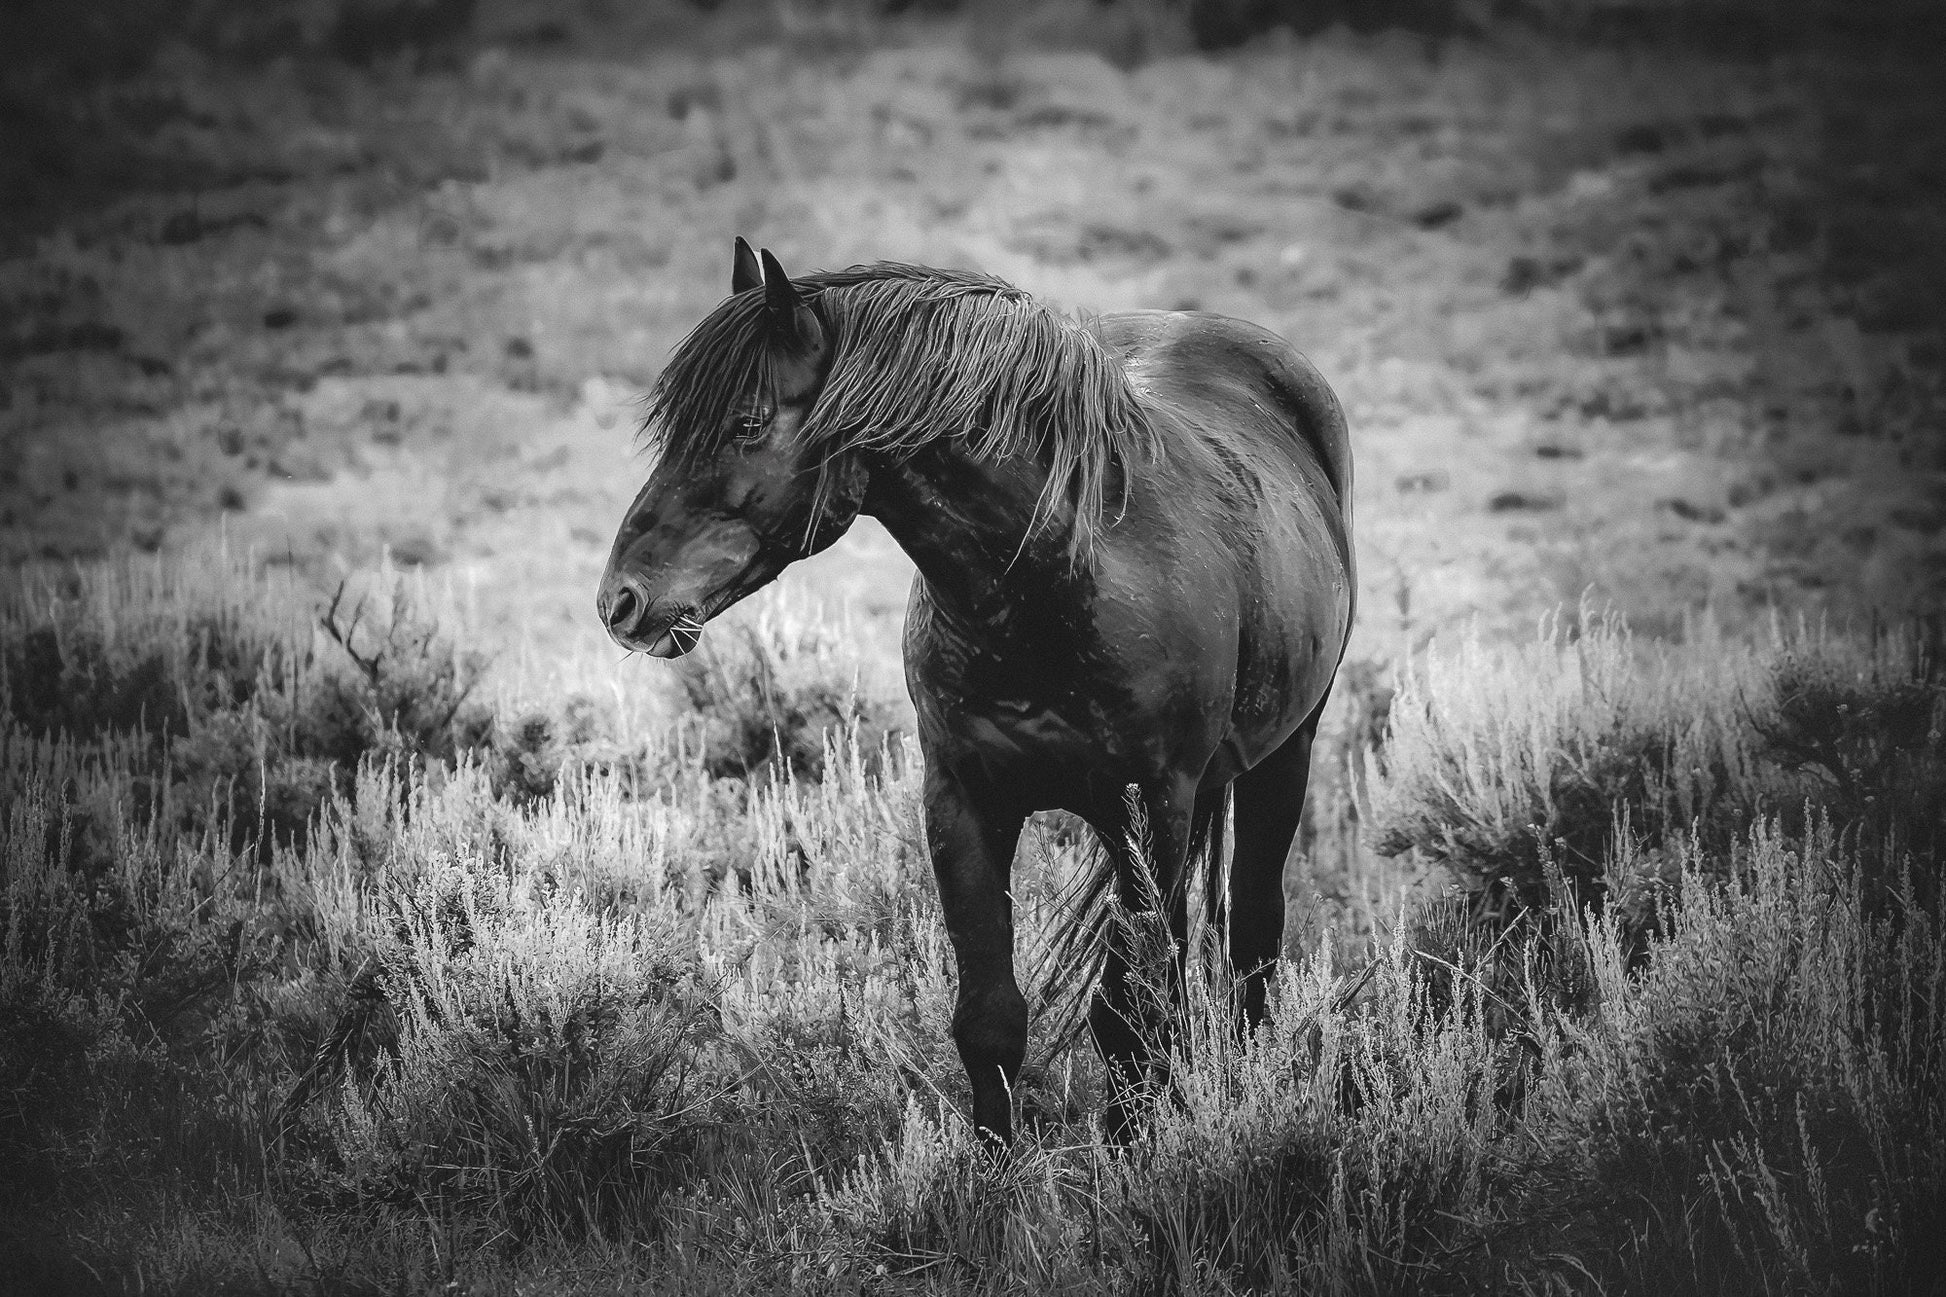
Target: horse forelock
717	363
921	356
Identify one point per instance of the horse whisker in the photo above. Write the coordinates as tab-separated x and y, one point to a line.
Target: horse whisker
688	632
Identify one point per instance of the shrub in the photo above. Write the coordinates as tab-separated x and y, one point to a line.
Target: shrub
255	706
837	1004
139	925
932	1201
1497	756
1585	738
527	757
766	690
1866	721
145	646
539	1083
539	988
1761	1108
122	953
411	690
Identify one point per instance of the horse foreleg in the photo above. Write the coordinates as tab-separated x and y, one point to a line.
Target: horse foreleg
972	847
1269	802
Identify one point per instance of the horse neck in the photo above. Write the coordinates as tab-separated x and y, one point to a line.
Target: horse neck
971	526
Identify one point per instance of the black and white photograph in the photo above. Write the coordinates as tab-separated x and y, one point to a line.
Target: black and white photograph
1124	648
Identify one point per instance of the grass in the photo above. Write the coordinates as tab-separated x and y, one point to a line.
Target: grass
1600	755
654	1024
767	688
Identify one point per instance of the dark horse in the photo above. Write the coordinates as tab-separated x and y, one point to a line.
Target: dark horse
1133	541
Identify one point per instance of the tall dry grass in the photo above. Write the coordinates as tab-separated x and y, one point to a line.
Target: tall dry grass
650	1025
1599	753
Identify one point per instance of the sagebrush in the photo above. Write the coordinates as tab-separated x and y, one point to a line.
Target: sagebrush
640	1021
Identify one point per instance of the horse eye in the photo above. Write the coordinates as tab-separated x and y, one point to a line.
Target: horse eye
751	425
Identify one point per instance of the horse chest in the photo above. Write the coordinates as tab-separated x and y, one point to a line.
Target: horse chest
1042	753
1062	729
1023	732
985	701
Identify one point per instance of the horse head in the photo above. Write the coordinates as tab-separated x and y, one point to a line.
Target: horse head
729	507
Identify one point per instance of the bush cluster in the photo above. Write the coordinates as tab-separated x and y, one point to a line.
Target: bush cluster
244	708
766	690
1603	754
518	1002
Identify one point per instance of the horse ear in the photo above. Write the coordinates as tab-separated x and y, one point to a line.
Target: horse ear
794	326
745	274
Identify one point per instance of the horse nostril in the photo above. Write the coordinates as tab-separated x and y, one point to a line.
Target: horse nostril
622	611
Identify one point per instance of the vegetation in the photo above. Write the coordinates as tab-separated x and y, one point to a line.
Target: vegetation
1590	752
767	691
306	979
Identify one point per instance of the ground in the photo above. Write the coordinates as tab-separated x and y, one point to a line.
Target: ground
1649	325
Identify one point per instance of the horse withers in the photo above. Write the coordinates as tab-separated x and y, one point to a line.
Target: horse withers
1133	543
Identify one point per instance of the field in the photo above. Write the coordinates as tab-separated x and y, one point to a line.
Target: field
369	925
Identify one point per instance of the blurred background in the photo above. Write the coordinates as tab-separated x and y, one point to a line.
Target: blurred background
1634	299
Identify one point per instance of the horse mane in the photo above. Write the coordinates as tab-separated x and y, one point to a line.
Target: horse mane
921	356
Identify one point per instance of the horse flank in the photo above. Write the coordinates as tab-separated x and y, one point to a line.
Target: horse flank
919	356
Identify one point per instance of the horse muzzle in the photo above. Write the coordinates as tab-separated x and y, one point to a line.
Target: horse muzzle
635	623
674	642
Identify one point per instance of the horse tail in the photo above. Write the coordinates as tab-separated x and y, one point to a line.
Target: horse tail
1070	961
1208	827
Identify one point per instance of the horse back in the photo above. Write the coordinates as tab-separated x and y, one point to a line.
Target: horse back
1203	366
1244	394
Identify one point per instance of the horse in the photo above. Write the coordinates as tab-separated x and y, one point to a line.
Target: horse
1132	536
